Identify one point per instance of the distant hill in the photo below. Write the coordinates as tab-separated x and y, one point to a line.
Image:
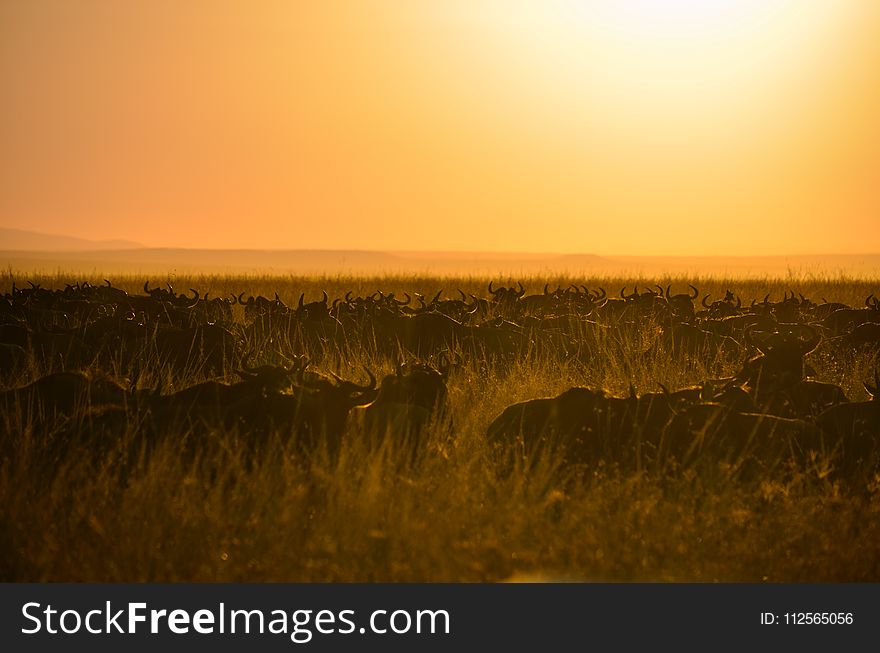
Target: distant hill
25	251
31	241
311	262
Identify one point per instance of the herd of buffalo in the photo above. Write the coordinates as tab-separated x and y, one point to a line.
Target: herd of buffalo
107	365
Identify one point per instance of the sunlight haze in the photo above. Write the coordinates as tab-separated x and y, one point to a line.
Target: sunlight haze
632	127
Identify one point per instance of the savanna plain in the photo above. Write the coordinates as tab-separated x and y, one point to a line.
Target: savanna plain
113	485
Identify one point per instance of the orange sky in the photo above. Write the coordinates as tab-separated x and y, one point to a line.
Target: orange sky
625	127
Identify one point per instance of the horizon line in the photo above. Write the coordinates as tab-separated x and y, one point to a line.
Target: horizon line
494	253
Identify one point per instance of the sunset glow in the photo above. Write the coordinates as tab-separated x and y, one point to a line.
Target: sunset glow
626	127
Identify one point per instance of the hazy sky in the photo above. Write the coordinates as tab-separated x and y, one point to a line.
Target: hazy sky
612	127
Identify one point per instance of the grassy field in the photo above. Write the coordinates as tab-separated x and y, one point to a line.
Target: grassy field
454	514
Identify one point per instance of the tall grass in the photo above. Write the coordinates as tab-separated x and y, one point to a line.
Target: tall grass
458	512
